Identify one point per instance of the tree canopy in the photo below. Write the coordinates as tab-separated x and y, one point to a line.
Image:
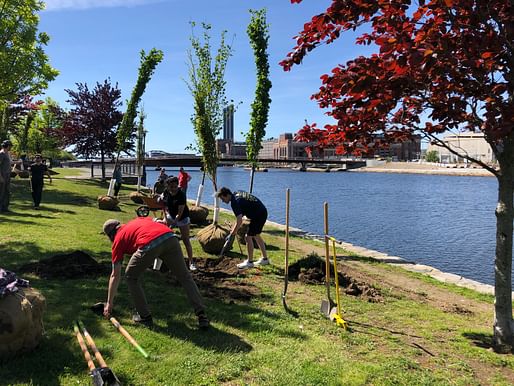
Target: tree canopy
91	125
24	67
439	65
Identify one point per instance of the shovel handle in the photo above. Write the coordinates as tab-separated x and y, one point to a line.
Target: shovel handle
92	344
127	336
83	347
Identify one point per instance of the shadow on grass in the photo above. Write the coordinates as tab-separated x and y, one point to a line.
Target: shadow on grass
480	339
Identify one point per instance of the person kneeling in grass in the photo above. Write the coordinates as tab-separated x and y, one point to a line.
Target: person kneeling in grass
246	204
147	240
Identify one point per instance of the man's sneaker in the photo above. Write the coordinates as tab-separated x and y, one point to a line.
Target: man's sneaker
203	321
262	261
192	267
146	321
245	264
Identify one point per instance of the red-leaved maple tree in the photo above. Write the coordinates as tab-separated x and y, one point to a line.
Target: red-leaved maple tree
453	62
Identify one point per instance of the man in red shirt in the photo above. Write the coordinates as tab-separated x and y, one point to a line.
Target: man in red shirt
147	240
183	179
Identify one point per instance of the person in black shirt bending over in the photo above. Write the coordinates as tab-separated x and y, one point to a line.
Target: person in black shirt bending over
178	214
37	172
246	204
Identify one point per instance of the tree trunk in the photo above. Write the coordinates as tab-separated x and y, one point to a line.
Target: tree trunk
252	174
102	159
503	323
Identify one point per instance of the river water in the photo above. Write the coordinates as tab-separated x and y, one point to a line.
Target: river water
446	222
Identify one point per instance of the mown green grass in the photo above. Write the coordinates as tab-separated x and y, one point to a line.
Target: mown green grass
251	342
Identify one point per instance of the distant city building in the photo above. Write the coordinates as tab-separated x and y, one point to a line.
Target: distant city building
266	151
472	144
228	123
229	148
400	151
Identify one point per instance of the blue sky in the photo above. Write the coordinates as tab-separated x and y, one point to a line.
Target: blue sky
92	40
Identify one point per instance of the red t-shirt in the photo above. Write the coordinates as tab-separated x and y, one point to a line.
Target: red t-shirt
134	235
183	179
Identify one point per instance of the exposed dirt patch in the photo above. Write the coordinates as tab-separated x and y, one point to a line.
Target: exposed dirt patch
311	270
218	278
74	265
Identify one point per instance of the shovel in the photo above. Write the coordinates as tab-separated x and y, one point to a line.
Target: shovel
226	246
100	376
327	305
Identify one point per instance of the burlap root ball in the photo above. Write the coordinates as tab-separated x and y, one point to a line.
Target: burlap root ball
198	214
241	232
108	203
137	197
21	318
212	238
24	174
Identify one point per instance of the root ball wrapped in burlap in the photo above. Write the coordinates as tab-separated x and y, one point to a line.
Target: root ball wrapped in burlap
108	203
137	197
198	214
212	238
21	318
241	232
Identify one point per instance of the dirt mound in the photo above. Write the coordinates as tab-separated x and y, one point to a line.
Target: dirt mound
70	266
216	278
311	270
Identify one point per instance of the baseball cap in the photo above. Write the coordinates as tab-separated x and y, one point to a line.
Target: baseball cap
6	143
110	226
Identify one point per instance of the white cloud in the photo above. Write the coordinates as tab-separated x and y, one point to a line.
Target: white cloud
55	5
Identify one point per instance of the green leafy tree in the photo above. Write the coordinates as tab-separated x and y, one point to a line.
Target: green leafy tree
24	67
43	135
146	70
207	86
432	156
259	36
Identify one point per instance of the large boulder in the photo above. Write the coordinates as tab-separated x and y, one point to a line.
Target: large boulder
21	322
198	214
108	203
212	238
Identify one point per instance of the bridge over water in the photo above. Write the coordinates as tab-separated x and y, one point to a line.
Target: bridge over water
192	160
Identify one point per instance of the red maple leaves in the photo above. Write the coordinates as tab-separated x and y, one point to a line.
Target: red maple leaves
451	61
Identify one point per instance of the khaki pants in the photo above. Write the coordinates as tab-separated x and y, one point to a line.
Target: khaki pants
170	253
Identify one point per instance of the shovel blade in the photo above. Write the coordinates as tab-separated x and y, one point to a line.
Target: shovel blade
104	376
326	307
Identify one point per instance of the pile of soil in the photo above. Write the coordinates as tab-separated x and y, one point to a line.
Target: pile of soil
217	278
311	270
74	265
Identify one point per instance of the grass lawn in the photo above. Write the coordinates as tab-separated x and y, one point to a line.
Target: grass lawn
417	332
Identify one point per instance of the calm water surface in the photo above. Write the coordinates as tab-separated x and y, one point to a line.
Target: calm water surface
447	222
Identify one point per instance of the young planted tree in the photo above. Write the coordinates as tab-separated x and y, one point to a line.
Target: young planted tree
44	134
258	33
207	86
451	60
125	132
90	126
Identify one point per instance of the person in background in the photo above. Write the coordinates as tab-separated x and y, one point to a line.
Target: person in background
246	204
37	172
160	185
118	179
177	214
147	240
183	180
5	175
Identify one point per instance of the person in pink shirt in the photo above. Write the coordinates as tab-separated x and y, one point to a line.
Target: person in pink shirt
147	240
183	179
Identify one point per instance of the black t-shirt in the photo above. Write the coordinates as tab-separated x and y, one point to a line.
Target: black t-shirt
173	202
37	172
247	204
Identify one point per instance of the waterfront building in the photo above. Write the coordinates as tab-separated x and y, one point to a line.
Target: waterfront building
228	123
472	144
